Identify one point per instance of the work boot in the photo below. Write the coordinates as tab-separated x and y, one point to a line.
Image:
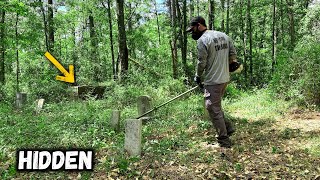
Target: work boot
231	132
229	127
224	142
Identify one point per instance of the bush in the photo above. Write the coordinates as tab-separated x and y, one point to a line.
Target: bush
232	91
298	77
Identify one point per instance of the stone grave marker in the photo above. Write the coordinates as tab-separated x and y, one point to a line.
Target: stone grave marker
21	100
133	135
115	120
40	103
144	105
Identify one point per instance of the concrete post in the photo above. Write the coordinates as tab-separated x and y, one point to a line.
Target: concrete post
133	135
21	99
115	120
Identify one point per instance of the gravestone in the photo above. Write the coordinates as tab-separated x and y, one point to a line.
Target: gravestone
144	105
40	103
133	135
115	120
83	92
21	100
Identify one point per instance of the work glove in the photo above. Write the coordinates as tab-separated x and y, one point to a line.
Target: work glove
234	66
197	80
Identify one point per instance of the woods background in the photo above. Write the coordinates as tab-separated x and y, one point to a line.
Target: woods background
138	42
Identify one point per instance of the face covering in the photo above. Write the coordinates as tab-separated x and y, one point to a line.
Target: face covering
197	34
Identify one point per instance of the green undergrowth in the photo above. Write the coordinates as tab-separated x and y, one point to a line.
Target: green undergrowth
259	104
176	141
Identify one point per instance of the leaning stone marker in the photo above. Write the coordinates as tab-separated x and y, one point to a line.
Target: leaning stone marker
40	103
132	141
21	99
144	105
115	120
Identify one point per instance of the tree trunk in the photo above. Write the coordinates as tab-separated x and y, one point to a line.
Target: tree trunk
222	21
131	44
191	7
198	9
2	46
114	72
74	55
228	14
282	24
174	40
211	14
59	44
158	26
51	26
17	53
185	39
274	36
260	54
123	49
45	25
179	24
249	30
243	34
92	37
192	14
291	19
93	50
170	11
111	41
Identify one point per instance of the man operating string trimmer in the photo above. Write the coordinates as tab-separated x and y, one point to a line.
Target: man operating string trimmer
215	54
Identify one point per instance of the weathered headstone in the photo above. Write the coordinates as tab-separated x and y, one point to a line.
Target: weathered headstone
83	92
144	105
73	91
40	103
133	135
21	99
115	120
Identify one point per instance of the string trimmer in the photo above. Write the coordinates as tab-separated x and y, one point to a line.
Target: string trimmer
167	102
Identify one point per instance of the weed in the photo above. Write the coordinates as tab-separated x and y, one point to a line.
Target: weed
238	167
275	150
85	175
288	133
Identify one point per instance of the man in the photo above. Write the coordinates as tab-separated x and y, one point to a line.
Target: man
215	53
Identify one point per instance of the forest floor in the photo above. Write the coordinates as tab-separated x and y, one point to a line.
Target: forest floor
274	140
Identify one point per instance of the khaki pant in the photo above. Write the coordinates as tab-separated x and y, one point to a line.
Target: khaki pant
213	96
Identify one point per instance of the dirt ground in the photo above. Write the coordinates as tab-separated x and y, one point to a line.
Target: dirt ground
305	120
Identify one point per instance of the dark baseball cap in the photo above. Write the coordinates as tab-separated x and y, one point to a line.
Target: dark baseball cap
194	21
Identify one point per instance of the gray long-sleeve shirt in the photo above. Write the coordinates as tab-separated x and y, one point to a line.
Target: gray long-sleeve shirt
214	50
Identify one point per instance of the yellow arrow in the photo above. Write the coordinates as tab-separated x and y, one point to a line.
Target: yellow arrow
68	76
